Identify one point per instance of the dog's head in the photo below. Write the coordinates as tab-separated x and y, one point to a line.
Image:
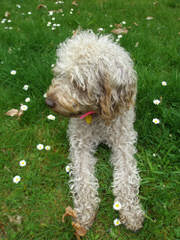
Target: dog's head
92	74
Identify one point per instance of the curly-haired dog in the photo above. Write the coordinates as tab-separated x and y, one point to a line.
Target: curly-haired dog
94	76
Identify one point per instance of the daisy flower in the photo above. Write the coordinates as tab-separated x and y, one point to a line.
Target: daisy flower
100	29
110	25
27	99
123	22
117	206
13	72
67	169
16	179
117	222
29	13
156	121
52	65
154	155
156	101
40	147
53	18
48	24
50	13
119	36
45	95
25	88
164	83
18	6
24	107
51	117
22	163
47	148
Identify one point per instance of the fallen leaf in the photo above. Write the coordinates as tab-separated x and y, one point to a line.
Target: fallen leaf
80	231
41	6
137	44
69	212
14	112
74	3
2	228
15	219
7	14
118	25
120	30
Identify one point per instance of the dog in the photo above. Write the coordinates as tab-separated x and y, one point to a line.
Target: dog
95	85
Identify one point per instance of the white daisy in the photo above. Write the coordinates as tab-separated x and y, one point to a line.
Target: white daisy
18	6
58	25
51	117
22	163
156	121
53	28
29	13
45	95
117	206
164	83
24	107
48	24
100	29
67	169
27	99
117	222
51	13
10	28
110	25
52	65
40	147
53	18
47	148
25	87
154	155
13	72
3	20
156	101
123	22
16	179
119	36
149	18
9	21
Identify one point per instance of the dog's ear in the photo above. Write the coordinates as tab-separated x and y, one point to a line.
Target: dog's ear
115	100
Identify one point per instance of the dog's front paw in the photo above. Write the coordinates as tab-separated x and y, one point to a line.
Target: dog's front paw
133	219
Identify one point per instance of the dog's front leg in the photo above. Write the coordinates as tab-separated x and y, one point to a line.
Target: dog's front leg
83	183
126	183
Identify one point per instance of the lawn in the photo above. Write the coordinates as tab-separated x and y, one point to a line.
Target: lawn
32	208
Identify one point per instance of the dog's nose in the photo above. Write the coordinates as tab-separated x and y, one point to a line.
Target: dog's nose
50	102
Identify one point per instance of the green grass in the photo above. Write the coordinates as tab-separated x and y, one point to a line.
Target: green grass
43	193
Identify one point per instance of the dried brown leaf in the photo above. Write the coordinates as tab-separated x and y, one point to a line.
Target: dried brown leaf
15	219
2	228
118	25
74	3
80	231
69	212
120	31
41	6
7	14
14	112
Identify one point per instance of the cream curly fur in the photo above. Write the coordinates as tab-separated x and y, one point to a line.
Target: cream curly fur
93	73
